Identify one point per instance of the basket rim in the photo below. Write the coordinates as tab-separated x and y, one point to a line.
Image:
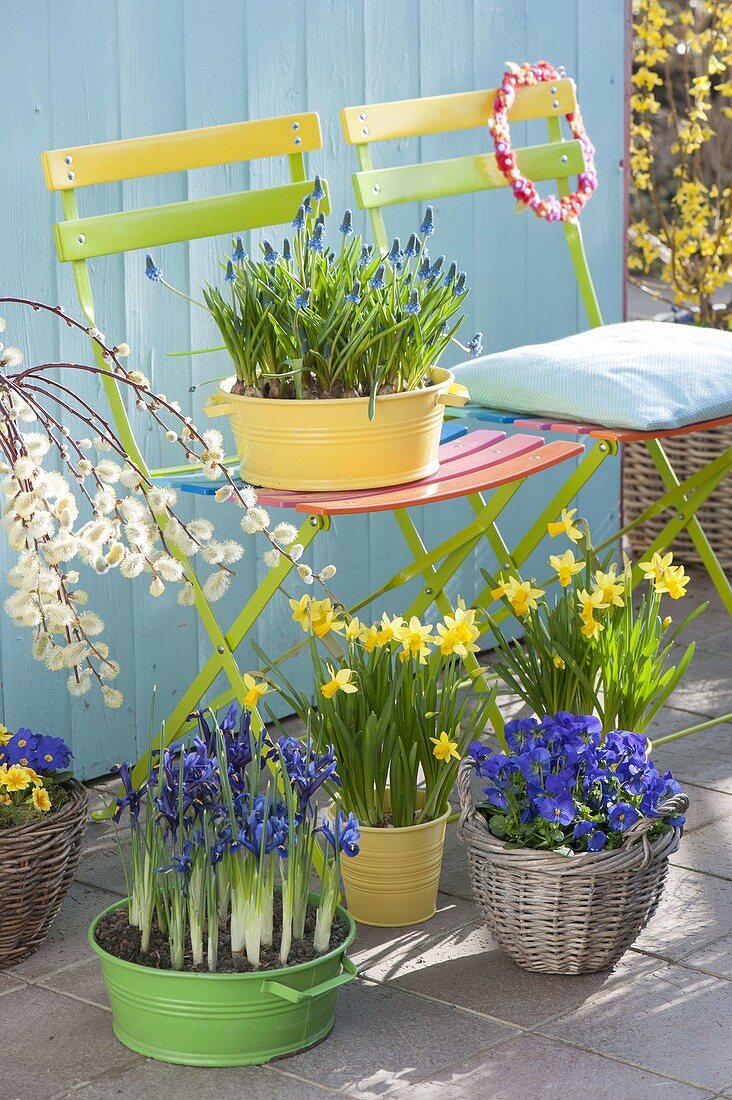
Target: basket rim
76	806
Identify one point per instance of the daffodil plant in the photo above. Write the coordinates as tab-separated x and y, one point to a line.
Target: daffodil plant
397	702
318	318
215	828
593	648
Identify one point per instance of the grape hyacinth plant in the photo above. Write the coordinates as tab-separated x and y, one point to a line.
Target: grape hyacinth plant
101	509
321	318
33	770
564	786
215	826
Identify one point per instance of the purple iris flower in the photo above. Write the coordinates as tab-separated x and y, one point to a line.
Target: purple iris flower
344	835
131	799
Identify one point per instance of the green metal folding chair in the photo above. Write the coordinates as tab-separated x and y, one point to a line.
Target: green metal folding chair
472	463
559	159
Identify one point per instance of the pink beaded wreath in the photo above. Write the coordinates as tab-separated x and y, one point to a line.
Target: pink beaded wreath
553	208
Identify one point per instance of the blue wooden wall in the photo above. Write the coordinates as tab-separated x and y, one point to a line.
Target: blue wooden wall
84	71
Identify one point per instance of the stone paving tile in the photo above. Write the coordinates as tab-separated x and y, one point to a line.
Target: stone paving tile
384	953
84	980
720	642
66	943
9	983
704	759
673	1021
53	1043
454	878
532	1066
694	913
706	807
384	1039
708	849
147	1078
102	867
707	688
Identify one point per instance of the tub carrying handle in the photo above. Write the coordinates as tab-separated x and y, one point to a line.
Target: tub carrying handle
219	404
295	996
455	397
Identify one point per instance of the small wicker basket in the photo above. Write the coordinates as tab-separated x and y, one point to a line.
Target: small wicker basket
37	866
642	487
561	915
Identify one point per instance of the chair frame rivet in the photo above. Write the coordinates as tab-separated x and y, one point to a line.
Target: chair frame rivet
68	160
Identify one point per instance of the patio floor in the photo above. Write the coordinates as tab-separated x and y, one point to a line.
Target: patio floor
438	1011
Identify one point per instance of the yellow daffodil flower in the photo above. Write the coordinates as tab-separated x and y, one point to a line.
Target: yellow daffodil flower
654	569
458	633
565	566
255	690
371	638
673	581
610	587
444	748
415	640
522	597
565	526
301	611
558	661
340	681
317	615
589	602
389	628
667	622
41	799
356	631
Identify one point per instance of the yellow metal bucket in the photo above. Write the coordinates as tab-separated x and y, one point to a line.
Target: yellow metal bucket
393	881
332	445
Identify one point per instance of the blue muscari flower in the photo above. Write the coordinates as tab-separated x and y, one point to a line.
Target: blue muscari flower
621	816
559	810
307	203
459	287
298	222
346	226
318	191
395	255
424	268
316	243
376	282
354	297
413	306
475	346
427	227
412	246
271	256
320	220
230	275
302	300
240	253
451	274
153	272
286	250
437	267
365	258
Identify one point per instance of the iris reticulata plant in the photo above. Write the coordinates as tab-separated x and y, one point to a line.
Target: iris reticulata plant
397	702
563	785
215	826
324	316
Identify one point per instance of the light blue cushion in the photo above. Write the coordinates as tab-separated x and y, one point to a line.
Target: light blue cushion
646	375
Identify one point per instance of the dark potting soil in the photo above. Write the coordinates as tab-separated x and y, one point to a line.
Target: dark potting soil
115	935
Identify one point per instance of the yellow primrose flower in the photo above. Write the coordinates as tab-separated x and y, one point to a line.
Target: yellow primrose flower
673	581
16	778
255	690
522	598
41	800
610	587
654	569
565	526
558	661
5	734
340	681
5	799
458	633
415	640
565	567
444	748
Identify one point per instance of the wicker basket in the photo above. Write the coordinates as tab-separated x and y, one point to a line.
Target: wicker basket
37	866
561	915
642	486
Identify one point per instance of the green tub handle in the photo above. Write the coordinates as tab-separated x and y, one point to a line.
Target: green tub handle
287	993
